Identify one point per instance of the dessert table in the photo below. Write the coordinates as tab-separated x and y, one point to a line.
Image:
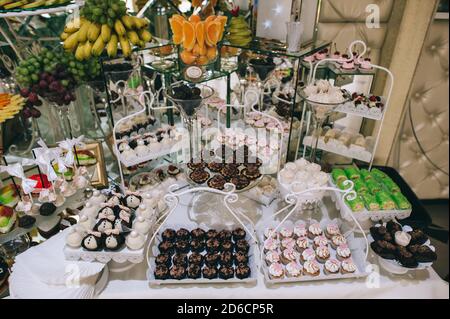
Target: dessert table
379	283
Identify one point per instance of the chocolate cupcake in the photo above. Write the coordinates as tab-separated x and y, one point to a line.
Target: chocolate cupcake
182	246
418	237
378	232
243	271
212	259
172	170
240	258
227	245
196	165
197	245
393	227
226	272
196	259
198	234
163	259
212	233
180	260
251	172
242	245
183	234
212	245
224	235
26	221
166	247
178	272
384	249
226	258
422	253
161	272
47	209
210	272
240	182
169	235
229	171
406	258
199	176
194	272
217	182
239	234
215	167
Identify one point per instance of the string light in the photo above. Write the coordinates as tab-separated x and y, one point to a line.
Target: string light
267	24
278	9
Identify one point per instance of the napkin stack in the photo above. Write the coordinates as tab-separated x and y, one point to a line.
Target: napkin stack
42	272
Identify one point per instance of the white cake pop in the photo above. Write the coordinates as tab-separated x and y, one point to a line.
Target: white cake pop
135	241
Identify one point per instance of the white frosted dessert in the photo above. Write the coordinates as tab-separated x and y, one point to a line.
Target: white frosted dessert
135	241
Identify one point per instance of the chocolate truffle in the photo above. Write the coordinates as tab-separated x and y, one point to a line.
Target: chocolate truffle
161	272
210	272
226	272
47	209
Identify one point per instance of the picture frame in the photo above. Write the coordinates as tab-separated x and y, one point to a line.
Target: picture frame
97	171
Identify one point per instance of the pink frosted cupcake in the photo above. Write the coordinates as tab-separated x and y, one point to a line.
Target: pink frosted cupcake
332	266
301	244
337	240
343	252
270	233
271	244
259	124
288	243
348	266
276	271
322	254
272	257
320	241
314	230
311	268
294	270
285	232
300	231
289	255
332	230
308	254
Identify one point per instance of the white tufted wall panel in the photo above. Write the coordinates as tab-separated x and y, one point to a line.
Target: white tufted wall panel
429	100
343	21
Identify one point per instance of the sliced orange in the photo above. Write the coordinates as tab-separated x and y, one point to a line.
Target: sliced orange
211	53
195	19
189	35
178	17
210	18
223	21
202	60
200	33
198	50
188	57
212	33
177	30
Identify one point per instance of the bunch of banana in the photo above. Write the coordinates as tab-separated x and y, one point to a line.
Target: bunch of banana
239	32
87	38
29	4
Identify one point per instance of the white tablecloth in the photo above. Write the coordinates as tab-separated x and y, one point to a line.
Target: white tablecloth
417	284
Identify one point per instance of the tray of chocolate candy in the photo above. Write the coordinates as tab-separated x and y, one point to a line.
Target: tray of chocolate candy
310	251
191	255
215	173
401	248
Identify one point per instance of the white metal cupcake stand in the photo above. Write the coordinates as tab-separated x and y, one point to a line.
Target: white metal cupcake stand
365	155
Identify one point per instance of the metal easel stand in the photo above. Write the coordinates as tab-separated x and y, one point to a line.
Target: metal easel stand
294	200
173	199
351	49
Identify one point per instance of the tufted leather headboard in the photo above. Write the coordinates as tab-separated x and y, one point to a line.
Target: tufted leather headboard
343	21
423	163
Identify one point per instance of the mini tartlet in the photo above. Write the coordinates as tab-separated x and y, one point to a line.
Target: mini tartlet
276	271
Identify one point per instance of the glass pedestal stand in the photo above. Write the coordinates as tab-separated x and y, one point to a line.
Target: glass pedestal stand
188	109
